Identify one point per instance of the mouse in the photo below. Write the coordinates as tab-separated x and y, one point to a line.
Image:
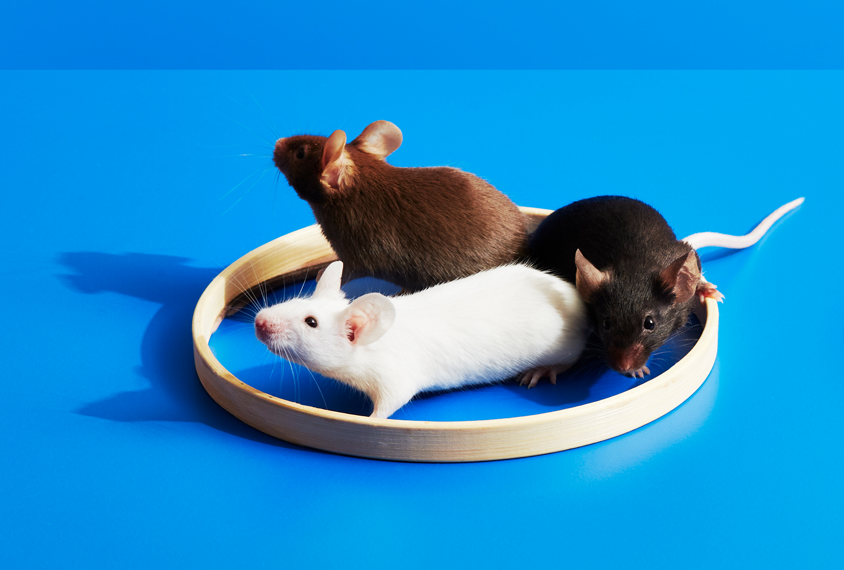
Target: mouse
500	323
414	227
639	282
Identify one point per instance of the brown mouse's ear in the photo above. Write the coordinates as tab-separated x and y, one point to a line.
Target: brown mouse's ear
682	276
335	162
381	138
588	277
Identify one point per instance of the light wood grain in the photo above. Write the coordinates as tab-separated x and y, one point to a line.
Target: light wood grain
419	440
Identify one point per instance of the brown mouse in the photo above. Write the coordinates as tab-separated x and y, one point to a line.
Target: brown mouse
415	227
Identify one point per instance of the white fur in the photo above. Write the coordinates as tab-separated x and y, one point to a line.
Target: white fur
480	329
712	239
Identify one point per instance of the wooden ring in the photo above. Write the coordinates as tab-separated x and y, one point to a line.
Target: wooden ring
402	440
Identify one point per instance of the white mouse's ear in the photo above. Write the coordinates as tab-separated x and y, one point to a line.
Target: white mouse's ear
335	161
681	277
368	318
588	277
329	283
381	138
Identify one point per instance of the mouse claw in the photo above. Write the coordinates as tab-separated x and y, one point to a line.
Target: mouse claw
533	376
705	290
640	373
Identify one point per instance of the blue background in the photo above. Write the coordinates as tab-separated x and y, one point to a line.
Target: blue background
119	210
125	194
436	34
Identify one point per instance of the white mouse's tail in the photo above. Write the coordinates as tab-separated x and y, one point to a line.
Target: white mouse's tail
712	239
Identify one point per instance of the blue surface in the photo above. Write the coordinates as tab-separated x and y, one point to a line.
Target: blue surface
125	194
439	34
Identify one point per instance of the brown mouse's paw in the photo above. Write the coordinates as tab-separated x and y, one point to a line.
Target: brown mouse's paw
531	377
706	289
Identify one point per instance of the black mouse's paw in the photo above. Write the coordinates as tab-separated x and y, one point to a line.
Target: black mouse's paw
638	373
705	290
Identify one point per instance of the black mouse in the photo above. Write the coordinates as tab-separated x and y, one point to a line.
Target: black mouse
638	280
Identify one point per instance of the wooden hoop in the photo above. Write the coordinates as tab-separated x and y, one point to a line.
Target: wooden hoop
420	440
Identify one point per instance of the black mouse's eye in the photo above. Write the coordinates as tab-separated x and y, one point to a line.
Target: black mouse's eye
300	154
311	322
649	323
606	324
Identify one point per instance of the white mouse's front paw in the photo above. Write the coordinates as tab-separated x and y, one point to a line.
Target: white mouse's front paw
531	377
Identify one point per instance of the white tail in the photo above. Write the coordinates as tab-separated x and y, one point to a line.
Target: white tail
712	239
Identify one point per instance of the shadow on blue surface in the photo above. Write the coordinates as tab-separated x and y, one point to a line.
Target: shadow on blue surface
175	393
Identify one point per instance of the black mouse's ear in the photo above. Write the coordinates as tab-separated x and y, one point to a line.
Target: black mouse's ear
380	138
682	277
335	162
589	278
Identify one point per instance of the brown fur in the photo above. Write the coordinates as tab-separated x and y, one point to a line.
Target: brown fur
415	227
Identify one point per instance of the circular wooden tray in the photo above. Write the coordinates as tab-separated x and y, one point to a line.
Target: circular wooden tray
306	251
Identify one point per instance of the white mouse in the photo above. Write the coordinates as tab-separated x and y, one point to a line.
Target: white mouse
477	330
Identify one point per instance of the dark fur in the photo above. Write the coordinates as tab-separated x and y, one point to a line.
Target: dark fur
635	243
415	227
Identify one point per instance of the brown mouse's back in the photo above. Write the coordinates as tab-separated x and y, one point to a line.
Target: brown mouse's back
415	227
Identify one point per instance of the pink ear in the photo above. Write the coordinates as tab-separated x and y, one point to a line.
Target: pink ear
368	318
334	161
682	277
380	138
588	277
329	282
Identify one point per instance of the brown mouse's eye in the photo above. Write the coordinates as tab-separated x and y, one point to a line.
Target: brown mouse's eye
311	322
649	323
300	153
606	324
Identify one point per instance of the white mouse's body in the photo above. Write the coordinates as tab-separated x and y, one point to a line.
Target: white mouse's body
480	329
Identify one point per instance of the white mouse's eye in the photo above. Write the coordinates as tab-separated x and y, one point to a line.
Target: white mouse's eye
300	153
311	322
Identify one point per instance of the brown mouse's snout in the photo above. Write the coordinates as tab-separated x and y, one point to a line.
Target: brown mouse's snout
280	155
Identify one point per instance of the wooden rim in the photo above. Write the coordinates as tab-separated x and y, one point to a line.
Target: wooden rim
429	441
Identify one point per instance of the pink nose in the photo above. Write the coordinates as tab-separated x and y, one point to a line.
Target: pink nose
628	360
265	328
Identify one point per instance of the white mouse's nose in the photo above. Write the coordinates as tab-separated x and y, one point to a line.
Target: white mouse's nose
265	328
